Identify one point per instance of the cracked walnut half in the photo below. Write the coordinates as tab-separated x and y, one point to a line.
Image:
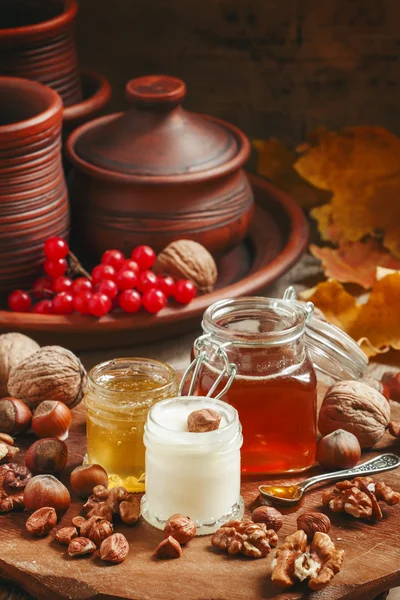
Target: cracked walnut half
245	537
359	498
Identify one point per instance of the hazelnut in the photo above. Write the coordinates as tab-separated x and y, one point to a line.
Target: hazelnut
201	421
46	490
78	522
129	509
394	428
42	521
338	450
6	439
85	477
186	259
181	528
272	518
168	548
66	534
15	416
7	452
51	419
114	549
80	546
311	522
48	455
97	530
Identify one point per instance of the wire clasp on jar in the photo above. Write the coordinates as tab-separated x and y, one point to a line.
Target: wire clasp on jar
229	369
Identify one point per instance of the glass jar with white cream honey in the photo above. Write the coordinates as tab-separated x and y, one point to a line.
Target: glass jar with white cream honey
119	395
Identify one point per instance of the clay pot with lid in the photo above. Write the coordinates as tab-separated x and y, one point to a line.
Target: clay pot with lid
158	173
33	194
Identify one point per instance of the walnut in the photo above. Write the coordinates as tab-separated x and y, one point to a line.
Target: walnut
50	373
104	502
14	348
355	407
7	452
181	528
311	522
285	557
245	537
13	479
129	509
360	497
319	564
201	421
185	259
268	515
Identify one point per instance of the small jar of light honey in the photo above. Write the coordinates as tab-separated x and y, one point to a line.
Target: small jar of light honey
119	395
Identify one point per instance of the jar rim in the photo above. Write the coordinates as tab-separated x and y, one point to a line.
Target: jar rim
143	363
156	428
296	315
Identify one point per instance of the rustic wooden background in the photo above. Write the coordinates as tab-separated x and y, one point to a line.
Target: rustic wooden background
274	67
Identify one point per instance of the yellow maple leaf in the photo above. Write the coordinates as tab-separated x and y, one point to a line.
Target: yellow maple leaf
275	161
375	324
361	167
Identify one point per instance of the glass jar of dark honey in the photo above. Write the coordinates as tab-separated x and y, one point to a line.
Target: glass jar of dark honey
262	356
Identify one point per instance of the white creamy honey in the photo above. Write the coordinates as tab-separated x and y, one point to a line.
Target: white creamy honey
194	474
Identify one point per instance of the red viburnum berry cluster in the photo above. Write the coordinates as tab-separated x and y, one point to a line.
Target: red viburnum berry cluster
117	282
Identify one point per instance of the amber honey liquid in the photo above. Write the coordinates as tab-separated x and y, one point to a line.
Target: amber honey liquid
276	402
115	440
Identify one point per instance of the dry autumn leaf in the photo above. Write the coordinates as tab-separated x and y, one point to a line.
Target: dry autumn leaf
355	262
275	161
361	167
374	324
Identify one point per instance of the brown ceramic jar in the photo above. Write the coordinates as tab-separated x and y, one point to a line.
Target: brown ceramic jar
158	173
37	41
33	194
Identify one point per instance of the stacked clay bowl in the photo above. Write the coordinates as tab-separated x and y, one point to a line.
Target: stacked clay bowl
33	194
37	42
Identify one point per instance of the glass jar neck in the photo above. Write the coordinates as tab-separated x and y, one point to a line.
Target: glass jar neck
122	383
248	322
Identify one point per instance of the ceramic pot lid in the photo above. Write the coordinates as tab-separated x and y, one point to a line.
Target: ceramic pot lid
157	137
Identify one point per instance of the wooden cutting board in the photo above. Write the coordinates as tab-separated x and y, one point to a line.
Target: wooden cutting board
43	568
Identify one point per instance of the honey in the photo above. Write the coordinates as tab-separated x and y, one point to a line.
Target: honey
276	402
252	355
120	394
286	492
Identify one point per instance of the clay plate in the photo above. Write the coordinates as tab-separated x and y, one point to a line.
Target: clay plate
277	239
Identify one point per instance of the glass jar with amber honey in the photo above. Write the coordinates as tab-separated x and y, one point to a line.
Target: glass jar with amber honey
261	356
119	395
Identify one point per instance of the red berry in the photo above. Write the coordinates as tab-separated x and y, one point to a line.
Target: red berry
166	285
19	301
185	291
63	303
44	307
62	284
55	267
144	256
154	300
114	258
99	304
126	280
55	247
108	287
82	284
131	265
40	285
81	302
103	272
130	301
146	281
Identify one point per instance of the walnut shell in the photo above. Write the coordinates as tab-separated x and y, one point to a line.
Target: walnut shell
355	407
14	347
185	259
51	373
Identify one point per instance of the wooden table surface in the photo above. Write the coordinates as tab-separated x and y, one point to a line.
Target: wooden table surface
372	560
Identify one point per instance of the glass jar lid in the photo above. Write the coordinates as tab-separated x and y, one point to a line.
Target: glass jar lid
332	351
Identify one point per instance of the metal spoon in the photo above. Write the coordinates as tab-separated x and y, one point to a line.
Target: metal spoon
291	494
